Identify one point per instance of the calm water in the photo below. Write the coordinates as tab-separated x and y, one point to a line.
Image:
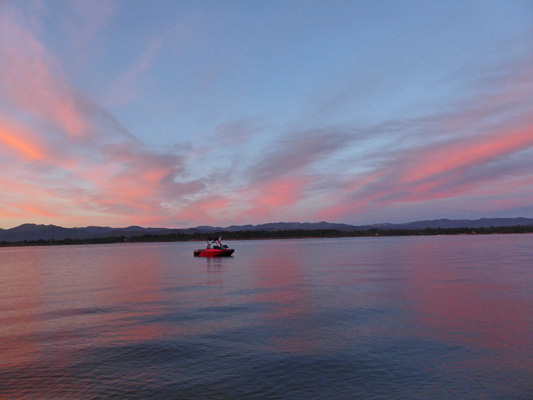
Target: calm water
448	317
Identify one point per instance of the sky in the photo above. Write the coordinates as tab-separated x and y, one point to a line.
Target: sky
186	113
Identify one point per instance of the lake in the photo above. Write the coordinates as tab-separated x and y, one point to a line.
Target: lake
437	317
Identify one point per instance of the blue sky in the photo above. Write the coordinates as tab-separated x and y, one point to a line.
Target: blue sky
169	113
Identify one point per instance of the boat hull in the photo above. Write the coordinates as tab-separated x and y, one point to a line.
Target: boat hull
213	252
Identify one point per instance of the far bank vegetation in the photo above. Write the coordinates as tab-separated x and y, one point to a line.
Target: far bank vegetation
280	234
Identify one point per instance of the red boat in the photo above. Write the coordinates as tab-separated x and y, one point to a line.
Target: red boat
214	248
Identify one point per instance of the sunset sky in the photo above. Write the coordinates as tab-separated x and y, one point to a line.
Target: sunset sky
184	113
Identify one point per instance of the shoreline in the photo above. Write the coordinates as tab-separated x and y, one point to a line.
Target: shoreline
274	235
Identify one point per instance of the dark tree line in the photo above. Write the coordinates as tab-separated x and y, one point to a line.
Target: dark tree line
281	234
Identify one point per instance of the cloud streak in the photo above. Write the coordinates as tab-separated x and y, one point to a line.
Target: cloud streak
455	168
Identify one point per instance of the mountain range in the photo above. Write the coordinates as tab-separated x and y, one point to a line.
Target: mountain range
31	232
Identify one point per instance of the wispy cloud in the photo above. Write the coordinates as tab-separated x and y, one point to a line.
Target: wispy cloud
485	155
84	27
20	142
104	170
128	87
298	150
28	79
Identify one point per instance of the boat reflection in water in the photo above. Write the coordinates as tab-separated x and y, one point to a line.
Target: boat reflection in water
214	248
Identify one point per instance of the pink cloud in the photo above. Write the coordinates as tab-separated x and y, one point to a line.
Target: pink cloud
25	201
280	192
453	169
272	199
108	174
467	153
26	78
209	209
19	142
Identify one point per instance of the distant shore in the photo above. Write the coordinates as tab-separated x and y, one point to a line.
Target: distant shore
272	235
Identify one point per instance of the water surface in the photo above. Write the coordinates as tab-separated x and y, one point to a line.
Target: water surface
447	317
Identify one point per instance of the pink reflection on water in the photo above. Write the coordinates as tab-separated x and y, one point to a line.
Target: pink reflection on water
130	282
51	304
20	310
468	298
280	285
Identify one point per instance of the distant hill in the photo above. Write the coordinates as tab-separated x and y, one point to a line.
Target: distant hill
33	232
461	223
